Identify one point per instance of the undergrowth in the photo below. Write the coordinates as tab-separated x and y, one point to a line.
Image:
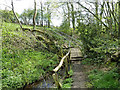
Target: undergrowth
99	78
102	79
21	63
68	81
26	68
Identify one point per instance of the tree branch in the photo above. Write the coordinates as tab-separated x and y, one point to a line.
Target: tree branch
93	15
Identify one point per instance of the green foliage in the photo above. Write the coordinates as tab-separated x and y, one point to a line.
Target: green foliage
70	72
8	16
67	83
97	42
65	27
68	80
87	61
21	63
27	16
100	79
25	67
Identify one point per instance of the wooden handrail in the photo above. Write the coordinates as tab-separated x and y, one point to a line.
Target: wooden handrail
61	62
55	75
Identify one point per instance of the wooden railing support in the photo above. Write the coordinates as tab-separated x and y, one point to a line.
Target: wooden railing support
55	75
57	83
61	62
66	66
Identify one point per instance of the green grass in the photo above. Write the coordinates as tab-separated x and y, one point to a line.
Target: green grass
101	79
21	63
13	26
68	81
27	67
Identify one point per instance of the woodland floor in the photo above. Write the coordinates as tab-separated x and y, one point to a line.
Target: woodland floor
79	76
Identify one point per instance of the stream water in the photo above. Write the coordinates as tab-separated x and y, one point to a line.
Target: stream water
45	83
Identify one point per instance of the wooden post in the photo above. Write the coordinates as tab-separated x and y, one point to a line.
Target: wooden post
55	76
66	66
57	83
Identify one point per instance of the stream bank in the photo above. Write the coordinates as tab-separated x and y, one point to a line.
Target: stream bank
46	82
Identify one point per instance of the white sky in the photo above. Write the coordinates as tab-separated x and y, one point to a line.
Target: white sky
20	5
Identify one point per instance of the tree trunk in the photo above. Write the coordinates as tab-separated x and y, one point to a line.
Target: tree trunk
68	14
49	16
73	17
96	12
119	23
16	15
35	13
93	15
41	23
101	13
110	20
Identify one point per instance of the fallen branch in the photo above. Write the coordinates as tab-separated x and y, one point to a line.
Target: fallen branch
42	38
26	29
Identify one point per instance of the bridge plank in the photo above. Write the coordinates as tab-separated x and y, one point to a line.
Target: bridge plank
75	54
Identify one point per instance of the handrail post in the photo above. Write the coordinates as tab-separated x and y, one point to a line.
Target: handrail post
66	66
57	83
55	75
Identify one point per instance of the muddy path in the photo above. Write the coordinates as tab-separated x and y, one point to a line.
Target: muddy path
79	76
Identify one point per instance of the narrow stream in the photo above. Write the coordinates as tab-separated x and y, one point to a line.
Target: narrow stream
47	82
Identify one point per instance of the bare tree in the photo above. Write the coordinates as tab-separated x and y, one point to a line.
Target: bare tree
68	13
101	12
96	13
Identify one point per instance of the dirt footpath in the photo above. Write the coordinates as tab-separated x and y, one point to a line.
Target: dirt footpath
78	77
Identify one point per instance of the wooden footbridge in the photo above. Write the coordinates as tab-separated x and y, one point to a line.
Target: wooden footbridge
74	54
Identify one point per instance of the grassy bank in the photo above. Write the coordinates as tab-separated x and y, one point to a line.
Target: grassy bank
104	76
23	61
